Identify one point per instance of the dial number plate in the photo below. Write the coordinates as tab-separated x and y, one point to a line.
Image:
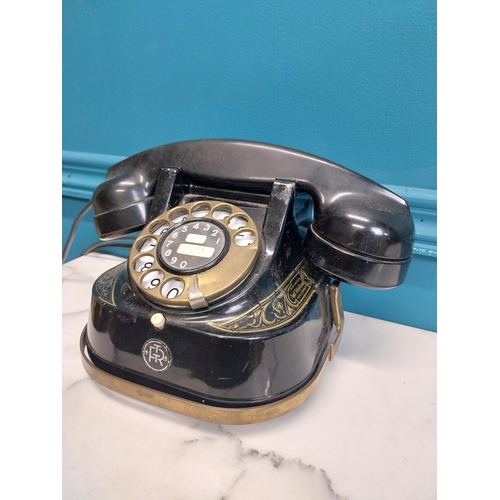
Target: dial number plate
193	246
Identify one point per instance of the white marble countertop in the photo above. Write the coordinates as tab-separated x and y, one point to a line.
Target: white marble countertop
367	432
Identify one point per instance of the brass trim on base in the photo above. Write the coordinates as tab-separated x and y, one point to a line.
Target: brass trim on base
207	413
338	316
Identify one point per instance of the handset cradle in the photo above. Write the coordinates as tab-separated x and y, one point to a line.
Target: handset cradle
224	311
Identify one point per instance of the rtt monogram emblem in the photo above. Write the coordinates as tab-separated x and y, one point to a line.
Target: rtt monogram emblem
156	355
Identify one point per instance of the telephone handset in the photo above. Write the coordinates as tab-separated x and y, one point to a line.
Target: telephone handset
225	310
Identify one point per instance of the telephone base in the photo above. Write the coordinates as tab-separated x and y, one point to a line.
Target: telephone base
199	411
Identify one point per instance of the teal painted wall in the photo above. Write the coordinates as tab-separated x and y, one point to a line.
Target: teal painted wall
354	82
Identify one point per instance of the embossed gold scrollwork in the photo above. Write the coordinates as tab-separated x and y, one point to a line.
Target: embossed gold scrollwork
278	309
105	286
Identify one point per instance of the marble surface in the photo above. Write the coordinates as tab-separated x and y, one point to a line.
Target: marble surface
367	432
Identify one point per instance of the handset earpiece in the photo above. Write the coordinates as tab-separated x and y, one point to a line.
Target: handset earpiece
122	204
362	236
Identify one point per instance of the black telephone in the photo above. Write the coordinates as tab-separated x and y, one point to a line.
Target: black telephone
229	303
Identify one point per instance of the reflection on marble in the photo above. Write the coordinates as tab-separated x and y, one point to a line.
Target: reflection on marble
368	431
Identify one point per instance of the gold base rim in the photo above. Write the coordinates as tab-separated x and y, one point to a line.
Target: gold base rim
207	413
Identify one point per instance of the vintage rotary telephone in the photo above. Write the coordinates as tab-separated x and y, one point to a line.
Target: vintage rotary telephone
229	303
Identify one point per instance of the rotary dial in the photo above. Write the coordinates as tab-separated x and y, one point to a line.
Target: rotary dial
194	254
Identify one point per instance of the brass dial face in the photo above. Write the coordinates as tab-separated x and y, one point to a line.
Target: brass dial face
194	254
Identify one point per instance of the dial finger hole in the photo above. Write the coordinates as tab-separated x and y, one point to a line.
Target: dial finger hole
244	238
237	222
201	210
143	263
172	288
146	245
152	279
221	213
178	215
159	228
